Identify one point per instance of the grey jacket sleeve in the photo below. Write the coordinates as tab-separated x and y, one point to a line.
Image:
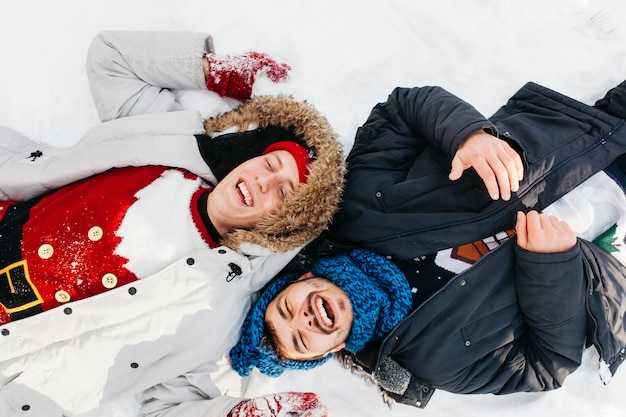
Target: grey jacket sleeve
131	74
193	394
28	169
134	73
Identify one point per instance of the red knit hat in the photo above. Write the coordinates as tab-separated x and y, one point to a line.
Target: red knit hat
298	152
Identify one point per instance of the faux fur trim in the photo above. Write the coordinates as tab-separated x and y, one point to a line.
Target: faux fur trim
308	212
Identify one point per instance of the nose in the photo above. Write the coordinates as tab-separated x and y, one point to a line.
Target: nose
265	181
302	321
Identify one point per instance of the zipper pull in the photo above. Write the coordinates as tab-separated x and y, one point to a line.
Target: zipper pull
235	270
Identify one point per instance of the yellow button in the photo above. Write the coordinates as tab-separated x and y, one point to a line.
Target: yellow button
95	233
109	280
62	296
45	251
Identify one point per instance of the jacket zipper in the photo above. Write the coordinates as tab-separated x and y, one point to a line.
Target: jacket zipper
594	340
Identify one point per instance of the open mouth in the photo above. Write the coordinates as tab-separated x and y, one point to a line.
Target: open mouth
325	312
245	196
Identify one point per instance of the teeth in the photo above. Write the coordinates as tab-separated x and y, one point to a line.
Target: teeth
320	307
246	194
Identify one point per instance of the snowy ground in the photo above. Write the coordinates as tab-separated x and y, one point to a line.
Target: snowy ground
346	56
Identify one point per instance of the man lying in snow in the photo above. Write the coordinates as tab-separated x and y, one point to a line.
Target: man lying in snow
128	277
513	296
501	298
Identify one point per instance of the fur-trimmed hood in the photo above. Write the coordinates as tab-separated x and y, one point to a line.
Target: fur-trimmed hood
308	212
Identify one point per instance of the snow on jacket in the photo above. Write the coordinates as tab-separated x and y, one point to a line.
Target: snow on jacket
187	313
71	358
132	75
516	320
81	240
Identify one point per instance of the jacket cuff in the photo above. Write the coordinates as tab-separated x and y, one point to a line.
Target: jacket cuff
547	258
465	133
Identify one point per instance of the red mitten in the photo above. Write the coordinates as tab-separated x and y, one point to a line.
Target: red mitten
303	404
233	75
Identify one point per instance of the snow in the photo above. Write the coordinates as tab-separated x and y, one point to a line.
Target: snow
346	57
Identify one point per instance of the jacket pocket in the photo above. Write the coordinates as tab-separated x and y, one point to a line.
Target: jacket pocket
496	330
541	131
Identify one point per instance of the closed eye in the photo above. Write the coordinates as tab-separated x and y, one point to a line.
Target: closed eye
296	338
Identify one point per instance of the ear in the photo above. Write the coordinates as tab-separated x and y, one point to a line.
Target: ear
305	276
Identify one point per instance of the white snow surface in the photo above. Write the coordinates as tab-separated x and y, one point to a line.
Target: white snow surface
347	55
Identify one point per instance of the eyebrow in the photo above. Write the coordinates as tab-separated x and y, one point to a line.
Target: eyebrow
279	161
279	307
294	339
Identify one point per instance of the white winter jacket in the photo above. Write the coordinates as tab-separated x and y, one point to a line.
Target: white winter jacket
144	122
66	361
125	340
63	362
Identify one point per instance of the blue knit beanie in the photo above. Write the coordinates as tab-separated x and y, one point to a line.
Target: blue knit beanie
380	298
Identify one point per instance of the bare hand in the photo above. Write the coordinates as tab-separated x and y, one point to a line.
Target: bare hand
543	234
495	161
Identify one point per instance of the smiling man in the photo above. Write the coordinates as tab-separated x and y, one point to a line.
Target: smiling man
312	317
133	256
504	295
258	187
344	302
126	224
254	190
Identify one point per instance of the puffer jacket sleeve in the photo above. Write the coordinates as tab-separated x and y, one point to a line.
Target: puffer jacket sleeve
28	169
133	73
193	394
429	113
130	74
551	290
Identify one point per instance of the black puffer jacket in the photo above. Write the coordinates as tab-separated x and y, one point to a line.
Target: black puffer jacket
516	320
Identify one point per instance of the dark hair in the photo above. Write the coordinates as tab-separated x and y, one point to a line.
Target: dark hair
225	152
270	340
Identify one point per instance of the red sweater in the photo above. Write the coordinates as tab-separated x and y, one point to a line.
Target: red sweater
79	241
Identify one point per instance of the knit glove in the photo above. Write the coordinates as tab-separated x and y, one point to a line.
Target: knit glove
233	75
284	404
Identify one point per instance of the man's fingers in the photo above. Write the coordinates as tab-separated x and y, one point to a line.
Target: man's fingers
510	161
541	233
509	170
561	225
457	168
520	228
517	161
488	176
533	219
502	177
497	164
546	222
499	173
